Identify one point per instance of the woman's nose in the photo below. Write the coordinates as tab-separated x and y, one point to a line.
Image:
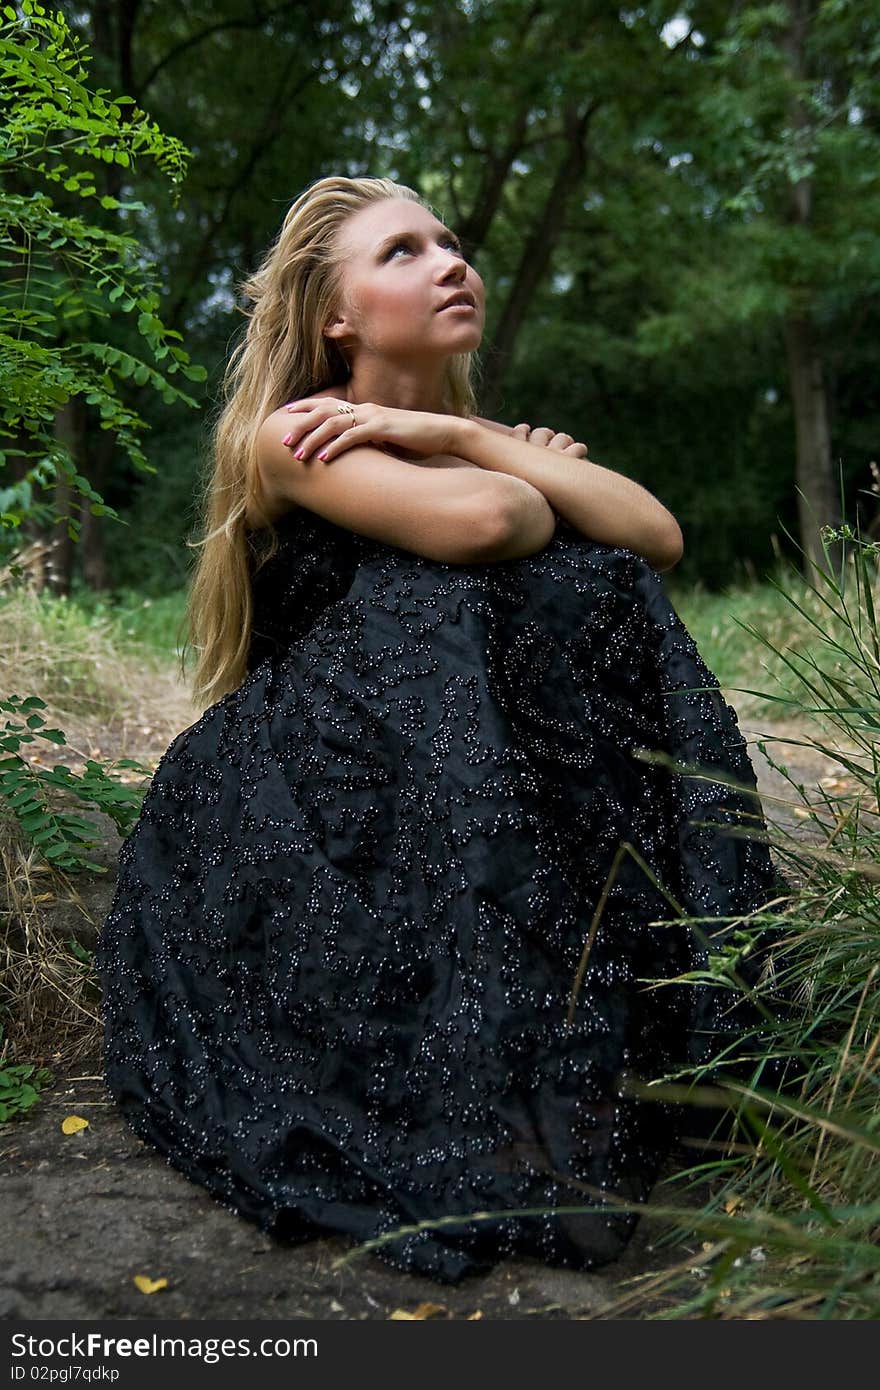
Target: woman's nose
455	265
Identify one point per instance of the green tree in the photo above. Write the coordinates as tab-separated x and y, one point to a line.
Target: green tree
597	162
784	154
63	273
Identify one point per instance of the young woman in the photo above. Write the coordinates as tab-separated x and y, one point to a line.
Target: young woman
380	945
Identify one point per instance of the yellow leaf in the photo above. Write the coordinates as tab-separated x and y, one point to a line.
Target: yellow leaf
148	1285
429	1310
424	1310
72	1124
477	1314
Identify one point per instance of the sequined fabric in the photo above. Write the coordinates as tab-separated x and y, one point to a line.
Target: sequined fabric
338	965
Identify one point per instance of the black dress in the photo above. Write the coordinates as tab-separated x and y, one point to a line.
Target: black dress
340	969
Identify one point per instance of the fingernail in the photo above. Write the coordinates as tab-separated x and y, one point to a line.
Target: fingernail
300	453
323	454
287	438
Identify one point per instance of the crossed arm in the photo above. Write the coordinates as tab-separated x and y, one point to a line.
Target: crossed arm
540	476
600	503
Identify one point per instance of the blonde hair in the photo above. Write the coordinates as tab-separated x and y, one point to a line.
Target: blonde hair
283	355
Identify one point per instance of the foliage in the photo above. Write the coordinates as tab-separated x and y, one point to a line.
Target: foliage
62	838
654	331
20	1087
62	273
790	1228
147	627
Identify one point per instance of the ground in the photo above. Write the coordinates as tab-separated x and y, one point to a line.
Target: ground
82	1214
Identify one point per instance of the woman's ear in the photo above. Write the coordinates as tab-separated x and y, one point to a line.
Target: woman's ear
339	333
337	327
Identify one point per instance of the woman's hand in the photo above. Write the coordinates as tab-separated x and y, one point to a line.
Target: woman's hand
550	439
319	428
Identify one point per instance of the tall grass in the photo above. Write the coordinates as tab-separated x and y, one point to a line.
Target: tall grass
759	630
70	651
792	1226
150	627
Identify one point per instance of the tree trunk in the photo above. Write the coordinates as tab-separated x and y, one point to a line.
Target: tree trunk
495	170
101	448
817	502
70	423
536	255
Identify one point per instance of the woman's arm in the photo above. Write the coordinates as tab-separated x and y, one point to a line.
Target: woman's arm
443	508
602	505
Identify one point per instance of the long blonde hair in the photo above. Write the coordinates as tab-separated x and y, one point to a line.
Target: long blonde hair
283	355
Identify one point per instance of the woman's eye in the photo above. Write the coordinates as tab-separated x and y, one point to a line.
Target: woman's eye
405	246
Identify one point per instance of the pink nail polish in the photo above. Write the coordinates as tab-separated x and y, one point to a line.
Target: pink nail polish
300	453
323	454
287	438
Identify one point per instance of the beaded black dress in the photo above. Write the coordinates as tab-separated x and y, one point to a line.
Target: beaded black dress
367	964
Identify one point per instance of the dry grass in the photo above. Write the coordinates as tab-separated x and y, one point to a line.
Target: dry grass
48	993
47	647
112	702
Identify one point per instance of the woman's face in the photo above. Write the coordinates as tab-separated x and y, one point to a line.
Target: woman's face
401	267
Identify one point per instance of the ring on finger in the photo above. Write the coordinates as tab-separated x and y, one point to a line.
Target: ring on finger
345	408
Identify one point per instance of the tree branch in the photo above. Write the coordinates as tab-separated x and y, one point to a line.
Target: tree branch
256	21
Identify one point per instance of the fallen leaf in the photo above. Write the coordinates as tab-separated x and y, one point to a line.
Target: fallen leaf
72	1124
477	1314
430	1310
424	1310
148	1285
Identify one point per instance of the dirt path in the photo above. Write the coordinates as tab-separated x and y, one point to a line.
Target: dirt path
82	1215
